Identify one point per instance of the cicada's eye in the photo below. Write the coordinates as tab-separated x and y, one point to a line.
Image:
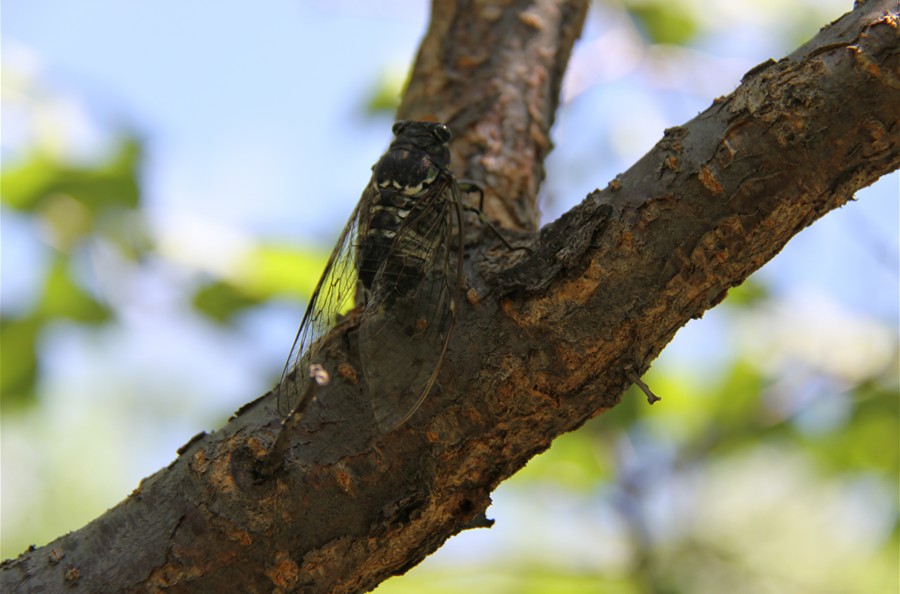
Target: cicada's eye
398	127
442	133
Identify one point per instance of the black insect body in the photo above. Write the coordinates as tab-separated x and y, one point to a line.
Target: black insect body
399	260
408	195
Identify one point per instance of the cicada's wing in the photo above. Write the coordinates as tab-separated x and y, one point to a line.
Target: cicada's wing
411	305
332	298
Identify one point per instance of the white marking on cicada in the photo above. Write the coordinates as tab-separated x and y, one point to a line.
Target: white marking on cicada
412	190
383	232
401	213
422	185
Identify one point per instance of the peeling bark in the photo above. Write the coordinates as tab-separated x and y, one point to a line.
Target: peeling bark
546	340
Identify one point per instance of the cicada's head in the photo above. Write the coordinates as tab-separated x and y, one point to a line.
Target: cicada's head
419	153
431	138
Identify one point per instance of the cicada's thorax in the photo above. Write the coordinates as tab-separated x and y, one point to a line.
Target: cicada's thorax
404	214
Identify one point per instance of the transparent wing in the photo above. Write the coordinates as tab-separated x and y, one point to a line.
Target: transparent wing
332	298
411	306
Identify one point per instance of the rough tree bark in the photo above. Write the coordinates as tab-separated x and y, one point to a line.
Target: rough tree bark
546	339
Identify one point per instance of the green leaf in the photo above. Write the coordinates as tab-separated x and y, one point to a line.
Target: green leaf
869	440
747	294
664	22
265	273
18	360
63	298
273	270
74	202
112	184
221	301
575	461
385	96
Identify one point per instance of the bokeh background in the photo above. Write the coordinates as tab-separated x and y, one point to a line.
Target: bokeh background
173	175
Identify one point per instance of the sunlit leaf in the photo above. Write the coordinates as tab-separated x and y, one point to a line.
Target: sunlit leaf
687	406
222	301
385	96
265	273
663	21
112	184
26	184
277	270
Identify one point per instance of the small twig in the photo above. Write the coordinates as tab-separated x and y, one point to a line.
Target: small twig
651	397
470	187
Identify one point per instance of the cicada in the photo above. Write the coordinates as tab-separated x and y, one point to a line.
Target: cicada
398	262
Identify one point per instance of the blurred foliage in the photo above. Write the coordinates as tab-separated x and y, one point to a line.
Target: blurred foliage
747	294
221	301
64	298
514	579
109	185
80	209
89	215
74	207
384	96
18	359
83	209
664	22
265	272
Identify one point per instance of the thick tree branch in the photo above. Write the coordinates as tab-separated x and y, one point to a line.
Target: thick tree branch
493	74
544	341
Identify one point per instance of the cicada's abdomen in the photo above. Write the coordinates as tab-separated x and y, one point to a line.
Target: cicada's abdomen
410	283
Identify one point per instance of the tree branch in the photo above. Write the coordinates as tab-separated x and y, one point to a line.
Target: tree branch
493	75
545	341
